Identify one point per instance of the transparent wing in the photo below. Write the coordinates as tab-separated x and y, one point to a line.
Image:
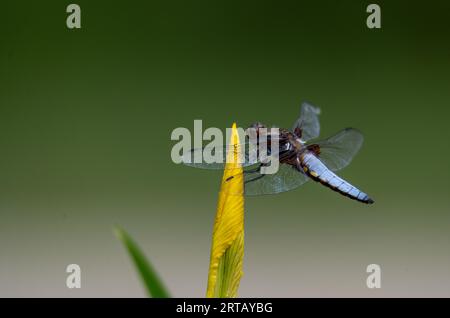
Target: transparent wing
308	122
338	151
211	157
287	178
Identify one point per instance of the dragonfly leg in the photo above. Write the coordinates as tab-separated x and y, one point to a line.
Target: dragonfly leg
257	169
255	178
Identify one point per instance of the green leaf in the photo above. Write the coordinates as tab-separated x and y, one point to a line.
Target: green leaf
152	282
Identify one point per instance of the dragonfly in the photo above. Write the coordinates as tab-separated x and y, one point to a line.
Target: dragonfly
300	158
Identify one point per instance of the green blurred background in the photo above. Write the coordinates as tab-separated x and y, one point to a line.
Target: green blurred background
85	123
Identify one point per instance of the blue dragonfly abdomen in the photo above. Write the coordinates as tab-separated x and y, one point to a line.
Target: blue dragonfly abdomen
318	171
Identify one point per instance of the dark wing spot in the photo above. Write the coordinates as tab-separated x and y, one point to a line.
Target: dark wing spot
315	148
